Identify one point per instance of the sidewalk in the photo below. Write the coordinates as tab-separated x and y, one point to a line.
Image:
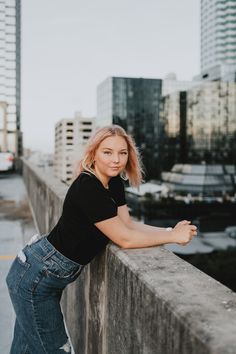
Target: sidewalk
16	227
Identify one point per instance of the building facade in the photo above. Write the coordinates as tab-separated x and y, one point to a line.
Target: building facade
10	76
170	84
218	33
200	125
71	136
134	104
218	38
211	123
173	118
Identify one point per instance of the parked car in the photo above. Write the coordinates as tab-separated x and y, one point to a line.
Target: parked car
6	161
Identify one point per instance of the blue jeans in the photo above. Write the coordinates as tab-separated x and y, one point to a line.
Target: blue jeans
35	281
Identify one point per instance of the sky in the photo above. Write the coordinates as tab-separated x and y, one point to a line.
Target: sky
70	46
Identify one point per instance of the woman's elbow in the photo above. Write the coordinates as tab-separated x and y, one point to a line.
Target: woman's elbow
126	244
123	242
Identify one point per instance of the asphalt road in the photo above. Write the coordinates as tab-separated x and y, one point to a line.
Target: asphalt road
16	227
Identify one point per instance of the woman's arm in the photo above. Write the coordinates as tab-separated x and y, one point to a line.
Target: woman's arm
123	213
121	231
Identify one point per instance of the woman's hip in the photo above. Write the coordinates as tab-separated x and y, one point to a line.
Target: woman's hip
39	269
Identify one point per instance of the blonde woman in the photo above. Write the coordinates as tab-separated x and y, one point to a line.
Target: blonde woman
94	212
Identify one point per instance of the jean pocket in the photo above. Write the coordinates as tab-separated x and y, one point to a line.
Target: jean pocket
17	271
56	271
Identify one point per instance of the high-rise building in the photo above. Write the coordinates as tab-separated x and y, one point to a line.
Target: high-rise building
71	135
10	77
218	39
134	104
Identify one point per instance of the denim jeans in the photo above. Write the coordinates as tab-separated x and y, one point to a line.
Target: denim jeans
35	281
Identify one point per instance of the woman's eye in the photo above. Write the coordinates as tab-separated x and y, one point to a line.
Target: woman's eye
124	153
107	152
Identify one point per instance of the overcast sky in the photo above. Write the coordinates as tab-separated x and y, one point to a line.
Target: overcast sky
70	46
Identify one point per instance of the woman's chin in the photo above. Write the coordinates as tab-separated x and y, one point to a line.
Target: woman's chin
114	172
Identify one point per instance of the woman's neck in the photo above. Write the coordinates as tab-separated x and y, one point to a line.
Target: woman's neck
103	179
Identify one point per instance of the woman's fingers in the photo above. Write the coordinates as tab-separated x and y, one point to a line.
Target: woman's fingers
184	222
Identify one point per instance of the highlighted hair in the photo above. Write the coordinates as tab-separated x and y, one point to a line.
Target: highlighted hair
133	170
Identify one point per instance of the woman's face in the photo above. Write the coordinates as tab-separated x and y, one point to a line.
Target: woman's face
111	157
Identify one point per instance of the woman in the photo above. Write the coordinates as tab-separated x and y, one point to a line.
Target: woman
94	212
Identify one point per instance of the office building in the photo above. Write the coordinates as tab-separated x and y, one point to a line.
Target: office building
218	39
211	123
199	125
71	136
10	77
134	104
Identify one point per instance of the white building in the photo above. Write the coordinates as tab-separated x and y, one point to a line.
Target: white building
71	135
10	59
218	37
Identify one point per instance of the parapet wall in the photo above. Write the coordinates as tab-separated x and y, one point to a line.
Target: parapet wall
140	301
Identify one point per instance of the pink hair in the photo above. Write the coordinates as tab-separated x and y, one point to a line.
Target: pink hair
133	170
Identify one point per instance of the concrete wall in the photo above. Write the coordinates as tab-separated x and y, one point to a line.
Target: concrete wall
137	301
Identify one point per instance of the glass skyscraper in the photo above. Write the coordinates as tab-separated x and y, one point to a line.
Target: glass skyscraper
134	104
10	76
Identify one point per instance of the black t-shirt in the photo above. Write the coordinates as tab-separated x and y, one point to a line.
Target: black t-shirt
87	202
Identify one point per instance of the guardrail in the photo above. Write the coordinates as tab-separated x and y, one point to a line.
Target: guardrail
137	301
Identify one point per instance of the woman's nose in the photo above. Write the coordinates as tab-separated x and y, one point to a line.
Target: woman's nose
116	158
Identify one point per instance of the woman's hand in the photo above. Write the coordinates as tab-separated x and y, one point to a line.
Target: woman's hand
183	232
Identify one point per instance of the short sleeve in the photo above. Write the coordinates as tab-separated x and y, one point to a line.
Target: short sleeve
117	190
94	201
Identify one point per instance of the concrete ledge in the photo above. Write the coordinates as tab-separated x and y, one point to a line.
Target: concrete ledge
138	301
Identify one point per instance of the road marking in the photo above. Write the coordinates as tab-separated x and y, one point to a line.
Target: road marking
7	257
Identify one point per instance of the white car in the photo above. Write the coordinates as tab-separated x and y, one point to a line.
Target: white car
6	161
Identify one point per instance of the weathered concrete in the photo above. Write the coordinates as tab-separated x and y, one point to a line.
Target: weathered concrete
138	301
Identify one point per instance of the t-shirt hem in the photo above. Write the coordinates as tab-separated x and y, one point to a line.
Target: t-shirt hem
104	218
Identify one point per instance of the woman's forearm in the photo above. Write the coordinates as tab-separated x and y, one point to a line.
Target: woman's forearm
148	236
143	235
126	236
137	225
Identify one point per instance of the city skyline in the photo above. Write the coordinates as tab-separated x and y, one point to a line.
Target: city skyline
67	51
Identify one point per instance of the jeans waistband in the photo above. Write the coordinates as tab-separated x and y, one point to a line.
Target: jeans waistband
44	250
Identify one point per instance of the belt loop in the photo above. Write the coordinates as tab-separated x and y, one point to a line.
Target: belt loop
49	255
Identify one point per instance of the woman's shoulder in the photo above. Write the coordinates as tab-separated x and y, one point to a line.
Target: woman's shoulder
84	178
82	186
